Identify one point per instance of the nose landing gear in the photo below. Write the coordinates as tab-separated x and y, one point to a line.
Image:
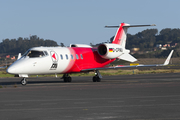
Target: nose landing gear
24	81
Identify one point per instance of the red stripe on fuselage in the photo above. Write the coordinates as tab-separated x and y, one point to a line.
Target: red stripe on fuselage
91	59
71	62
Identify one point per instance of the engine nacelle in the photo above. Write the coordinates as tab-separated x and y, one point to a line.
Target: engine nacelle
110	51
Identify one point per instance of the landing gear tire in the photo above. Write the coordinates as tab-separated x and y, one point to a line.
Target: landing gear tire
67	79
24	81
96	79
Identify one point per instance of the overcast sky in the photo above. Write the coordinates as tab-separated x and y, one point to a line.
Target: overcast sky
83	21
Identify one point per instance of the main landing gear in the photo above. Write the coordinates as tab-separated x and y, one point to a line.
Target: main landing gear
97	77
24	81
66	78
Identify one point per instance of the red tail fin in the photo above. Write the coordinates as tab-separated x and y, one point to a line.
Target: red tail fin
121	34
120	37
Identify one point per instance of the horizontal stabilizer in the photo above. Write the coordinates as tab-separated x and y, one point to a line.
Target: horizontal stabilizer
127	25
127	57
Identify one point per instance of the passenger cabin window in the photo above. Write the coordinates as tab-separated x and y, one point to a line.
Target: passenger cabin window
61	56
77	56
66	56
72	57
81	56
34	53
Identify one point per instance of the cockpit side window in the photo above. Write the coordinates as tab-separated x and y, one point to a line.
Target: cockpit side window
26	53
34	53
45	52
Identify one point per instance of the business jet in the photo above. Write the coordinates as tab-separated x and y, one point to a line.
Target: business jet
76	58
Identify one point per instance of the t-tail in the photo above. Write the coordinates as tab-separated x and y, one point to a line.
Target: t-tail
121	34
120	39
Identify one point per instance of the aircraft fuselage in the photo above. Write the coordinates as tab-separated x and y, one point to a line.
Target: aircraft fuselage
50	60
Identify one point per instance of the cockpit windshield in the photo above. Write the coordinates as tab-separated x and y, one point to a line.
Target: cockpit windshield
35	53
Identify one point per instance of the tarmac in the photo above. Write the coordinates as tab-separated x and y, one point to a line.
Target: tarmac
125	97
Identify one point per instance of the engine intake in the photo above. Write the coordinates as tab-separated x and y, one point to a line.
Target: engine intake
102	49
110	51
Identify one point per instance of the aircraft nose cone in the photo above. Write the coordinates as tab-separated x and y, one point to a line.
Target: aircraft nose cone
14	69
11	70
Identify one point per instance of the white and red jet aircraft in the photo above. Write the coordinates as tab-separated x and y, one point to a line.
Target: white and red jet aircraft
76	58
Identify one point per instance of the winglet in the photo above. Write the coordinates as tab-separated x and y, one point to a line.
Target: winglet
168	58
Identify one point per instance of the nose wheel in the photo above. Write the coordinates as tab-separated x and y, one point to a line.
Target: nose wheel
24	81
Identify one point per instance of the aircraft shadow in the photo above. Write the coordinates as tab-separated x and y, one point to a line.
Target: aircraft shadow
29	82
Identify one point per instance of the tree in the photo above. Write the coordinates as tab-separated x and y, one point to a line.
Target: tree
62	45
20	45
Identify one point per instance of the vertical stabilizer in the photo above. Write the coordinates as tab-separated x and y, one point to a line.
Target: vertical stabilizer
121	34
120	39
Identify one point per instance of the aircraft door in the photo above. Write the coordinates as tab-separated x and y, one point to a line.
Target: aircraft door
55	59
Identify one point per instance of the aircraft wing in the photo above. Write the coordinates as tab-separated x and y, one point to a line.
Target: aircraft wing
134	66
